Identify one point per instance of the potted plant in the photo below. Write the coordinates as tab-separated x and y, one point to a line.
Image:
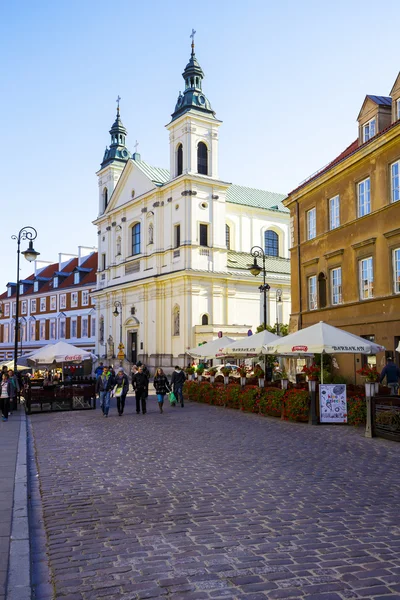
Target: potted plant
212	371
242	371
189	372
282	376
259	373
226	372
313	371
200	371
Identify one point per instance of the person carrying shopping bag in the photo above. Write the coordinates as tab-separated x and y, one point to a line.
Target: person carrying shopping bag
162	387
104	385
120	390
177	380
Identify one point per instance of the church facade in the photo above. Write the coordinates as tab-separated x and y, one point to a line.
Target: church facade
174	245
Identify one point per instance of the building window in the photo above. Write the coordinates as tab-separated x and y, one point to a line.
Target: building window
74	328
62	329
271	243
85	327
179	160
21	288
136	239
311	224
7	310
151	233
6	334
74	299
395	171
9	291
366	278
364	197
204	320
202	159
14	308
33	306
53	329
312	293
32	331
369	130
103	262
77	277
176	323
334	212
228	237
85	298
24	307
336	286
93	327
203	234
105	198
53	302
396	270
42	304
55	282
36	286
177	236
42	330
63	301
398	109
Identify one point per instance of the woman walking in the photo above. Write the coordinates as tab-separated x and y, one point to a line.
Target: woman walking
5	396
121	389
162	386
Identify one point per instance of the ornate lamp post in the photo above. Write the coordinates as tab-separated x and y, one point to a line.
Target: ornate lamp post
255	269
278	303
116	313
30	234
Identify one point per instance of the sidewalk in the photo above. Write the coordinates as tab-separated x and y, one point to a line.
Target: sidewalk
9	436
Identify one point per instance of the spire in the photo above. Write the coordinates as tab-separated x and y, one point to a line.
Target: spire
117	150
193	97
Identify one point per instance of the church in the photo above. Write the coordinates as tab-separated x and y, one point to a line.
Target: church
174	246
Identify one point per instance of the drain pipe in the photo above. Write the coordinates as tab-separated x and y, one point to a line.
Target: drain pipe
300	321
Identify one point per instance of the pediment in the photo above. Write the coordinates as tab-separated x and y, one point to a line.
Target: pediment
367	109
395	91
132	180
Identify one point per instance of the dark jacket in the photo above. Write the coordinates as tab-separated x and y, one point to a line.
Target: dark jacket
178	379
14	386
104	384
9	389
391	372
122	380
161	384
140	383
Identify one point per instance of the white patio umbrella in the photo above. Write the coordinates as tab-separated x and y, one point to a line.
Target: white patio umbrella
251	345
211	349
61	352
322	338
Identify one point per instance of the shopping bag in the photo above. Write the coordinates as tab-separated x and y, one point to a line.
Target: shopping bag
172	398
118	391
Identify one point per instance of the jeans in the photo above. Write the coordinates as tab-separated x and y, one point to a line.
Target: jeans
178	391
121	403
394	388
5	407
141	396
105	401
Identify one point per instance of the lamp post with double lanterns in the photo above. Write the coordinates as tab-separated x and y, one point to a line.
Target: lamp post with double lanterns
30	234
116	313
278	303
255	269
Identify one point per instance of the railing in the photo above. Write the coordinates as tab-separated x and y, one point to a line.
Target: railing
386	417
204	252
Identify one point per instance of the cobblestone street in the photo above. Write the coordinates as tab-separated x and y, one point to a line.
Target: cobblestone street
208	503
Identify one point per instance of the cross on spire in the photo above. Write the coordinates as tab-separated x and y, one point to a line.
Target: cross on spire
117	101
136	146
192	36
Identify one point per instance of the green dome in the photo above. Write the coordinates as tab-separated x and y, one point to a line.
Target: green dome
117	150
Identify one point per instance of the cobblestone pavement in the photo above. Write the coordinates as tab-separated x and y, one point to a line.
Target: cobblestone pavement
209	503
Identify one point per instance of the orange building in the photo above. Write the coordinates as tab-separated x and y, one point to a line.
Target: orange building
345	251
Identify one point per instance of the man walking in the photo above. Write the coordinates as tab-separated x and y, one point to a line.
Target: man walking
140	384
177	381
104	385
392	374
121	390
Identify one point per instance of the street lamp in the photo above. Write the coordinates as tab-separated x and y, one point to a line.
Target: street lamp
30	234
116	312
278	303
255	269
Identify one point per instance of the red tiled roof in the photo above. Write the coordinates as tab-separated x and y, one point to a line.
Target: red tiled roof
352	149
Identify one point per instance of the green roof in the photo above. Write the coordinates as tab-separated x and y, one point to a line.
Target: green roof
238	194
157	176
242	261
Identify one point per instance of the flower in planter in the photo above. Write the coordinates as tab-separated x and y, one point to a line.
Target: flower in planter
212	371
258	372
370	373
189	370
200	371
312	372
278	375
242	370
226	371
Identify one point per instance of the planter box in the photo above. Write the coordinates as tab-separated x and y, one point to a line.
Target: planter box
243	381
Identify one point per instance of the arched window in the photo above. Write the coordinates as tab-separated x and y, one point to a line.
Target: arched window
176	321
204	320
271	243
136	239
321	290
105	198
151	233
179	160
202	159
228	236
119	245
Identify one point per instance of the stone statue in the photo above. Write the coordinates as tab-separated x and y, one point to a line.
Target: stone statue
110	342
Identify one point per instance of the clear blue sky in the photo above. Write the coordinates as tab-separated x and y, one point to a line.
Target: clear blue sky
286	78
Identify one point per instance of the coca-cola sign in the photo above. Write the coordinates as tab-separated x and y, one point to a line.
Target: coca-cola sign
73	357
299	348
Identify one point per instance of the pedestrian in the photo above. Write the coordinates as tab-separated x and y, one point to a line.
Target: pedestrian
134	370
177	380
5	396
141	386
99	370
162	386
392	374
15	387
104	385
120	390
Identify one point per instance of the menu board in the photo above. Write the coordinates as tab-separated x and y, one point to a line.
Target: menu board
332	403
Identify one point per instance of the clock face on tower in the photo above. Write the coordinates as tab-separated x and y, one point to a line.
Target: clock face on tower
124	153
202	100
